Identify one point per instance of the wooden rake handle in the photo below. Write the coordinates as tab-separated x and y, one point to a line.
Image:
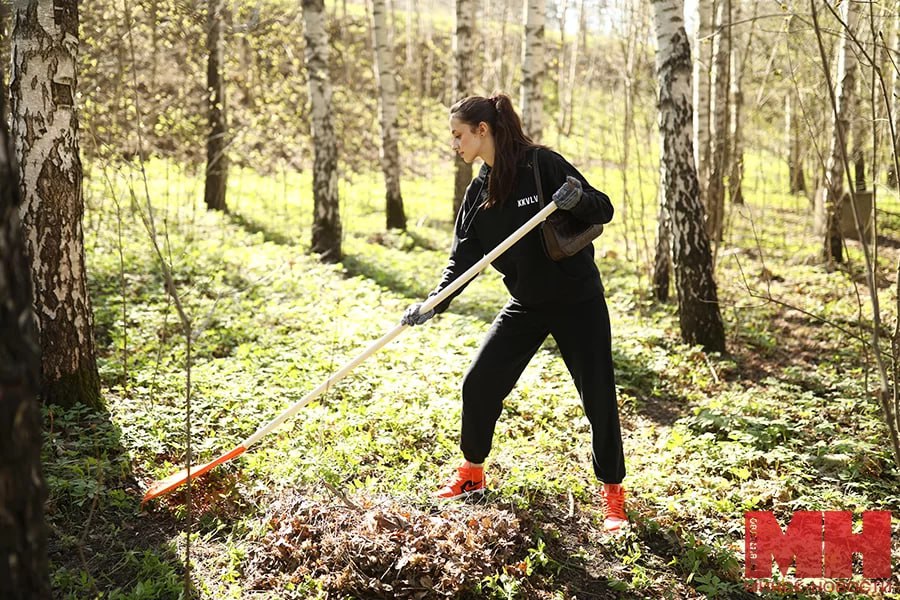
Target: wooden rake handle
171	482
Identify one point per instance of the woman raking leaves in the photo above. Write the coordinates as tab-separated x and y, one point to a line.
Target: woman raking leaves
560	298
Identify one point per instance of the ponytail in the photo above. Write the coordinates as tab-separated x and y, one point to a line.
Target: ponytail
510	141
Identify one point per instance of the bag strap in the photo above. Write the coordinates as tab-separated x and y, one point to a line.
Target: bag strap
537	176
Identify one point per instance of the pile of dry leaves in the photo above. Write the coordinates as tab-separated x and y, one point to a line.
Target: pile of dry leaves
384	550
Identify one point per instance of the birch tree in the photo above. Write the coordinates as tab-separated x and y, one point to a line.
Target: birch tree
701	70
23	533
326	229
718	122
387	96
533	67
832	247
698	305
45	132
463	54
216	159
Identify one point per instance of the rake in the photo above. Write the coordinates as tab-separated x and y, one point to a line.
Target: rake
164	486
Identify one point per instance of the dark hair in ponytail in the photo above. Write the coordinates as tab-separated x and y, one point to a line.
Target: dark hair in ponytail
510	142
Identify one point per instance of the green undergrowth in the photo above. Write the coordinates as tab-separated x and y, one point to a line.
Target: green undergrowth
787	421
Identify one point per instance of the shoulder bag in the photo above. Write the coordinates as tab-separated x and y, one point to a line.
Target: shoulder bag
562	234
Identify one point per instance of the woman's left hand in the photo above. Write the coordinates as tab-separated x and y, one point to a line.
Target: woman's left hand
569	194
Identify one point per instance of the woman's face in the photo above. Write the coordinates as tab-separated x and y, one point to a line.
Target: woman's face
467	141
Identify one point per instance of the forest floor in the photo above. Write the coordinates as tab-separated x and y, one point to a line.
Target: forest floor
336	503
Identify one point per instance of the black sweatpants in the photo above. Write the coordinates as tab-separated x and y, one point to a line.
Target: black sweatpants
582	332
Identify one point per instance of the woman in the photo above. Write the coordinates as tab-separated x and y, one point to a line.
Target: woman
563	299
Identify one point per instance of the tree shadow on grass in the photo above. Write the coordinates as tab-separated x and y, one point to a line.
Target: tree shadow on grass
396	281
268	234
99	540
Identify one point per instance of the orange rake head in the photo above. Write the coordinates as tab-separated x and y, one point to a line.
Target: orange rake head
164	486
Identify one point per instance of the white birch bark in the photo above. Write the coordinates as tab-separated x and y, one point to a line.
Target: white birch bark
45	131
698	307
23	491
387	94
533	69
326	229
702	52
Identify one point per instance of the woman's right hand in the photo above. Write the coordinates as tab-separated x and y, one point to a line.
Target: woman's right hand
412	316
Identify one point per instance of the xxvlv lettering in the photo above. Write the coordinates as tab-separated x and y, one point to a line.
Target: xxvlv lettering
819	543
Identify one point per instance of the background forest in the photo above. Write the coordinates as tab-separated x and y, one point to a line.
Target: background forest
263	187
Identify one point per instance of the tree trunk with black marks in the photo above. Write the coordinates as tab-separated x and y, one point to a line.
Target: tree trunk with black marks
387	94
23	533
216	157
326	229
533	69
463	53
45	133
698	304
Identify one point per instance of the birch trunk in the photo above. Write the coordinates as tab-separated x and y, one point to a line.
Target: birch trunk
533	68
718	122
701	83
326	229
834	170
45	130
463	52
387	94
698	305
216	158
23	533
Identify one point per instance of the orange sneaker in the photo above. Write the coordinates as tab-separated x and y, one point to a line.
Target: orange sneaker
613	495
468	481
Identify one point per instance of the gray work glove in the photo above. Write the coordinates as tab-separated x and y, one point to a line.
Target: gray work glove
412	316
569	194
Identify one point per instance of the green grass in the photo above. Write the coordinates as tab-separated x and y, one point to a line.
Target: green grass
785	422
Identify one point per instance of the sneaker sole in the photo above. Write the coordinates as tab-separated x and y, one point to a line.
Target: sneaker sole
464	495
617	528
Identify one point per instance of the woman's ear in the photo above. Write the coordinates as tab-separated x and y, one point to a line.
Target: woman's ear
483	129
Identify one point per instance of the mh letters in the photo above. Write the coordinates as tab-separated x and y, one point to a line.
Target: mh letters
820	543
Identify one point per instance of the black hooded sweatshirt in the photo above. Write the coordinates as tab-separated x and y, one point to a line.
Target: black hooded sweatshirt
531	277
